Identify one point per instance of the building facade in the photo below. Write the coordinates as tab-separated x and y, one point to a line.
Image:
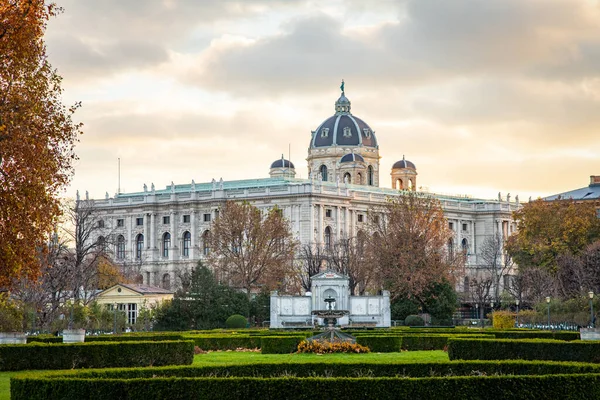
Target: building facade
165	230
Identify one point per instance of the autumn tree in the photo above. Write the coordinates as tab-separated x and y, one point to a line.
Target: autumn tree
496	262
347	257
312	257
548	229
37	137
251	249
408	245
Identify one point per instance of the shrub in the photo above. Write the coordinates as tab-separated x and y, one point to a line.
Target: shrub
341	380
94	355
414	320
280	344
225	341
503	319
236	321
318	347
538	349
380	344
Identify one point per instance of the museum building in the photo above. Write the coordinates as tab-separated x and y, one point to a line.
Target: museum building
166	230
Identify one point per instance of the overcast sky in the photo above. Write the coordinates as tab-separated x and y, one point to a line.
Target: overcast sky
484	96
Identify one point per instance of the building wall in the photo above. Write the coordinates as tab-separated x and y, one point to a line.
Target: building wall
310	205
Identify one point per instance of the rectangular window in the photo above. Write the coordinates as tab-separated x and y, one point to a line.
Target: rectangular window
376	219
451	225
186	219
206	217
360	218
101	223
120	222
328	213
131	313
166	220
464	227
139	221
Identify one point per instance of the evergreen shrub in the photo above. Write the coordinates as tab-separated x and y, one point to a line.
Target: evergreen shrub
95	355
280	344
236	321
524	349
380	343
414	320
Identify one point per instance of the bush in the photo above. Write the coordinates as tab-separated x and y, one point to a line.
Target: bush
318	347
94	355
236	321
280	344
414	320
507	349
225	342
342	380
380	343
503	319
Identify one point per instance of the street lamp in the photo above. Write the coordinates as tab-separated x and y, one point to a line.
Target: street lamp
517	303
591	296
115	323
548	302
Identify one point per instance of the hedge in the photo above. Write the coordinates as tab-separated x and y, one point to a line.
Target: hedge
537	349
95	355
508	379
380	343
516	334
225	342
280	344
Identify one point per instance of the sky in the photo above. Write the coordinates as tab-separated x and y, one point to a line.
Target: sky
484	96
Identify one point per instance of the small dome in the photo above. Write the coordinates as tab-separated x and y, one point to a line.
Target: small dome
342	100
282	163
403	164
351	157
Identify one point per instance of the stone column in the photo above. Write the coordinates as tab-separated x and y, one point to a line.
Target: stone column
338	224
193	233
347	223
321	227
130	242
174	236
153	236
311	223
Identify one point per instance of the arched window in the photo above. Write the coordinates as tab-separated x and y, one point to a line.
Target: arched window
347	177
370	175
166	242
166	281
466	285
359	180
101	241
465	246
327	237
410	184
399	184
450	247
120	247
187	243
323	172
206	243
139	246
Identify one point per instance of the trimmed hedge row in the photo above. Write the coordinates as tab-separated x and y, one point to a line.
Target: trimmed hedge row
538	349
303	381
558	335
225	342
95	355
280	344
380	344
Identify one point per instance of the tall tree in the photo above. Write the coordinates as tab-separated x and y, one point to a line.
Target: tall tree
312	258
409	245
250	250
37	137
497	262
548	229
346	256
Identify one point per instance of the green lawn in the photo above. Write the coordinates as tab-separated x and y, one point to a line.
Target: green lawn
231	357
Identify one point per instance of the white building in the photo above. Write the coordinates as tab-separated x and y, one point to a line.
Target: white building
164	230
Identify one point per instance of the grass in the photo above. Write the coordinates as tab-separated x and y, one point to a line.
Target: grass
232	357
